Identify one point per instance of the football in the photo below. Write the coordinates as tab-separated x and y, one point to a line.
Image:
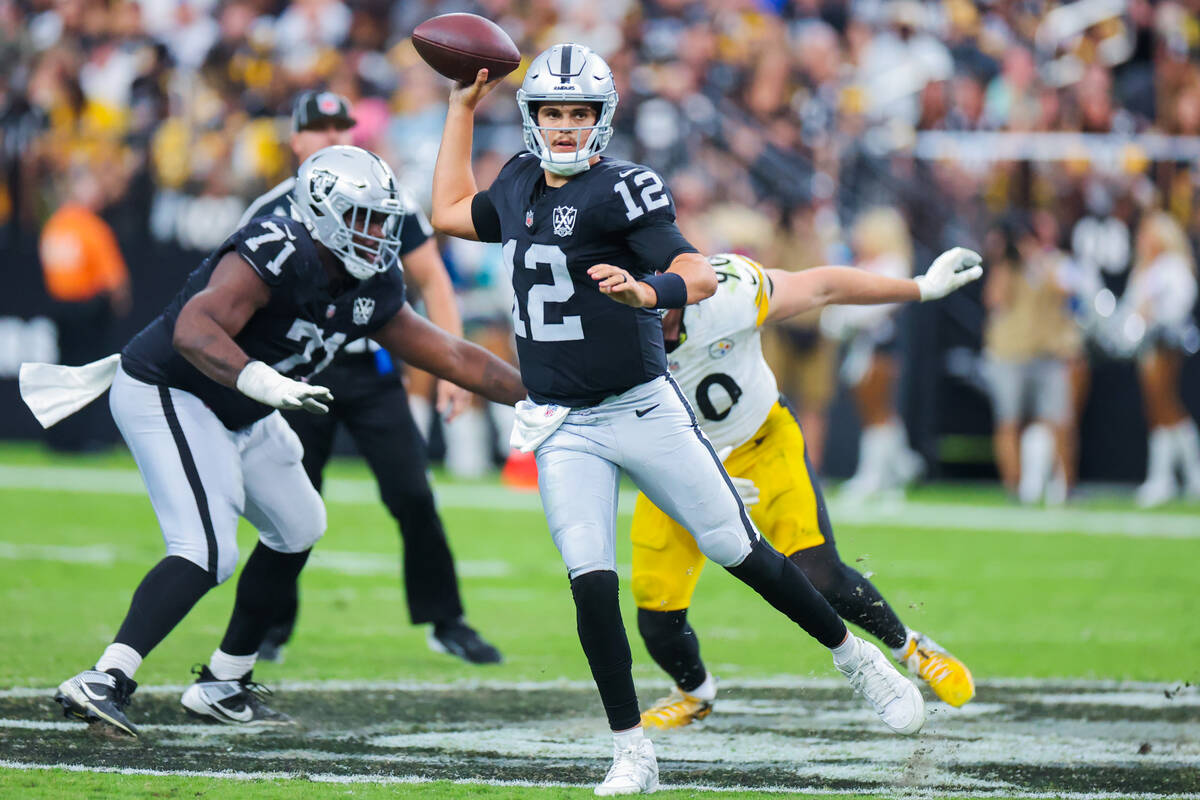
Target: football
459	45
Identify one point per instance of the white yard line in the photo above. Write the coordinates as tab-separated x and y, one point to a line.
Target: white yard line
895	514
342	562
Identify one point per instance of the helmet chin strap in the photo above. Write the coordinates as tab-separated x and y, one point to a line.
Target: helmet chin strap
567	170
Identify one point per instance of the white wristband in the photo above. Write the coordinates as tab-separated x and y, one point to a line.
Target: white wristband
260	382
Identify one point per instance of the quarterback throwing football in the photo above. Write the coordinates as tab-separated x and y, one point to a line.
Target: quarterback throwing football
595	254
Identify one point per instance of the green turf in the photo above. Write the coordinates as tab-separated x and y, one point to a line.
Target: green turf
57	784
1009	604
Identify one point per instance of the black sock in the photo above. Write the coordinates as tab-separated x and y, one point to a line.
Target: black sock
602	634
853	596
674	646
784	586
262	592
161	601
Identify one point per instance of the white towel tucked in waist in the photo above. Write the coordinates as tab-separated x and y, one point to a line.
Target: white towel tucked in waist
54	392
534	423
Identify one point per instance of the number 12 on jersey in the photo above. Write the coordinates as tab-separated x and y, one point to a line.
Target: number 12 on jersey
541	294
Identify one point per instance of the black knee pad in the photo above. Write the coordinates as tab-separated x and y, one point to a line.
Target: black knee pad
658	626
597	609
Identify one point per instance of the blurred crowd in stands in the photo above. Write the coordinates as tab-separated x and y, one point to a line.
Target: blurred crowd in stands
799	132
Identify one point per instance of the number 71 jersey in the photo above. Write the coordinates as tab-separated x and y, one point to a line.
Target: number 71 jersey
576	345
297	332
719	365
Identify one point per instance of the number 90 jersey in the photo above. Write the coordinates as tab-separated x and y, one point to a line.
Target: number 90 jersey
719	365
297	332
578	346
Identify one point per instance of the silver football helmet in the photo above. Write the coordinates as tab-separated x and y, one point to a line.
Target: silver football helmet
348	198
568	73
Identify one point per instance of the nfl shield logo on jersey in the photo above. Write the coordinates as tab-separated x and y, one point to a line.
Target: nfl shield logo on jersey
564	220
364	307
529	218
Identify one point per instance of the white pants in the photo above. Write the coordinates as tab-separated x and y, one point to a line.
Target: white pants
667	456
201	476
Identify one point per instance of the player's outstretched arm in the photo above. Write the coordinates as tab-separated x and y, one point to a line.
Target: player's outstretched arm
453	181
415	340
689	279
797	292
204	336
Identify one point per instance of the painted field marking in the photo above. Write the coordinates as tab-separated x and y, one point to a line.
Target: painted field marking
342	562
894	514
1014	743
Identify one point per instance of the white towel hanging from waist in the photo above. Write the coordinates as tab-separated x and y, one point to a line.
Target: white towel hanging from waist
54	392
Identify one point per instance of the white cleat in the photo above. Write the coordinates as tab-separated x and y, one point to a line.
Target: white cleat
634	771
895	698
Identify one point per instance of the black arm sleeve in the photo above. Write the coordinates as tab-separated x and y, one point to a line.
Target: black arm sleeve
657	243
485	218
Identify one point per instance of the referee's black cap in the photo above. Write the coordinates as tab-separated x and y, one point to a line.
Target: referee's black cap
317	109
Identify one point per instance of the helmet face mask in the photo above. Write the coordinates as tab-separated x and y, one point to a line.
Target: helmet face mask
349	200
567	74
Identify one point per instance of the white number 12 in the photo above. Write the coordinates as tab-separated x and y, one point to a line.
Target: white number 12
571	327
649	199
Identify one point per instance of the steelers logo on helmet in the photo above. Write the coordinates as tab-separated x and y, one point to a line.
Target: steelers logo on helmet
567	73
347	198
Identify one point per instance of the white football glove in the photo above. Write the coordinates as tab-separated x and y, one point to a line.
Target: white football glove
746	490
744	486
953	269
262	383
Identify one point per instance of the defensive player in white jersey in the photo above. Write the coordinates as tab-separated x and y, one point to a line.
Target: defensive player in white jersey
714	353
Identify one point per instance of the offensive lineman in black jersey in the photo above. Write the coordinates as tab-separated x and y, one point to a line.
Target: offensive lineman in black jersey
195	399
372	404
585	236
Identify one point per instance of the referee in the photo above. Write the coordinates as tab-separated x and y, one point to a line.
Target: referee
371	402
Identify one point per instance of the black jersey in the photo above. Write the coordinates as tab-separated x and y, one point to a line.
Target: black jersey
297	332
577	346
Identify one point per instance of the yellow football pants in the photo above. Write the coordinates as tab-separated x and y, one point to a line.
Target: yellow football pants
666	561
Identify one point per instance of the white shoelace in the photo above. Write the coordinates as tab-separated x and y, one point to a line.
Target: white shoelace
625	763
868	677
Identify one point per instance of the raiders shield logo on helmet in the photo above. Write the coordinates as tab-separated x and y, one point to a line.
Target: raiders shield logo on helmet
320	183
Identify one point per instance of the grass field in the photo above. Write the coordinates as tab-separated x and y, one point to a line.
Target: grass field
1098	592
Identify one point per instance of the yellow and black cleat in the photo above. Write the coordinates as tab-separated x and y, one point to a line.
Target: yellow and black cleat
949	678
675	711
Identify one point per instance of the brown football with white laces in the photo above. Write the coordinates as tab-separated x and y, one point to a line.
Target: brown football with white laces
459	45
